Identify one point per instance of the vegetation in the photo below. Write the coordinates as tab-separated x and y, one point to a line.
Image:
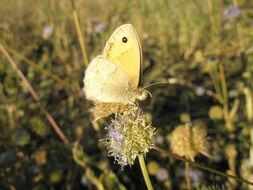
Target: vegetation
198	53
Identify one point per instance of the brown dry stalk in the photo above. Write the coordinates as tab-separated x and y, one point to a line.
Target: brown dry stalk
81	37
203	167
34	94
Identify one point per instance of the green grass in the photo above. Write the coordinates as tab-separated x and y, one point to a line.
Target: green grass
192	42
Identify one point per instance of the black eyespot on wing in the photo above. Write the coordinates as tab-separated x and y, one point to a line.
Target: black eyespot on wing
124	39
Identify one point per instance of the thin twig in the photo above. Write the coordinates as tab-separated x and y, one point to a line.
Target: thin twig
36	66
34	94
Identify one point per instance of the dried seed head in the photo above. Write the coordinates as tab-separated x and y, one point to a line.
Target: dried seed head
129	135
189	141
103	110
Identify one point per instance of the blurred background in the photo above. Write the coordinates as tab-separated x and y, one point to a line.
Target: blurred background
201	53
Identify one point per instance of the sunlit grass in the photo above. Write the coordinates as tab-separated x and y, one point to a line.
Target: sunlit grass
207	52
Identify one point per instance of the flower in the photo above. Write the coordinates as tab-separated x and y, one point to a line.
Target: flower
47	31
128	136
189	141
232	12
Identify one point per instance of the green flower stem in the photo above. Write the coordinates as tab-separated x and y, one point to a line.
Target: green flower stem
187	175
145	172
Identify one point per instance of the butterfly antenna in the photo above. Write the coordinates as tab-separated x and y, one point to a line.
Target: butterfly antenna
148	93
170	81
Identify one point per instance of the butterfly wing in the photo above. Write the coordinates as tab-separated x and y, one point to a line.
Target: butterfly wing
106	82
124	49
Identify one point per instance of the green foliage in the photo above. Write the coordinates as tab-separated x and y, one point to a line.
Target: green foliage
206	52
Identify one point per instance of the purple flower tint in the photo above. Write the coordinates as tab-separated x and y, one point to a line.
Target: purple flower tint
100	27
47	31
232	12
162	174
200	91
114	143
114	133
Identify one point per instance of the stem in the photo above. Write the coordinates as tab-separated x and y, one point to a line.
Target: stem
194	164
80	35
94	180
145	172
240	31
187	176
223	84
214	27
213	75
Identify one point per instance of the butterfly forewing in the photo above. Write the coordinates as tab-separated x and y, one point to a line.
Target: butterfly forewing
124	49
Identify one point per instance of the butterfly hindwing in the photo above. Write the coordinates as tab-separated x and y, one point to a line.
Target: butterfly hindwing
106	82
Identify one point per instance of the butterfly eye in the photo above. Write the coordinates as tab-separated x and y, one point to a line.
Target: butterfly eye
124	39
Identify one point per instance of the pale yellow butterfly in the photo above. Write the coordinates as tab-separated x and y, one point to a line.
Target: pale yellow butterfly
113	77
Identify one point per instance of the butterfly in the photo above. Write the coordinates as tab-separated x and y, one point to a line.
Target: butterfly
112	79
